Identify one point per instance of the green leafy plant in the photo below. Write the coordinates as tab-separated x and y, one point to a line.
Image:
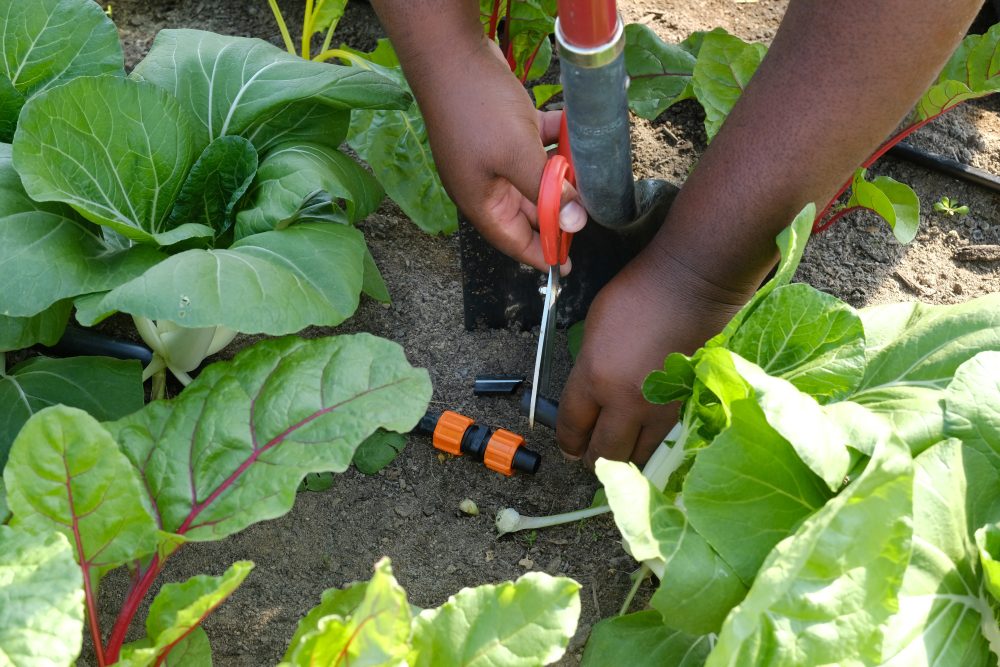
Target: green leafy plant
715	67
950	207
527	622
228	452
203	195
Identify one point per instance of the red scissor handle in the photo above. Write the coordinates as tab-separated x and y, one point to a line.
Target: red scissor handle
559	168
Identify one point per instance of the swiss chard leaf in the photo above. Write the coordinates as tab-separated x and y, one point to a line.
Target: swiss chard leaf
749	490
327	14
106	388
41	599
395	144
66	473
721	73
317	269
370	625
180	608
518	624
943	609
642	639
216	182
233	84
895	202
336	187
48	42
659	73
531	23
972	71
232	448
823	595
116	150
697	587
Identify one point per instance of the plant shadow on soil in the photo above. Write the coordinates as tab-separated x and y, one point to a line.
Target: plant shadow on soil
409	512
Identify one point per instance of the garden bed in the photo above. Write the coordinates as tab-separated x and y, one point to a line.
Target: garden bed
410	511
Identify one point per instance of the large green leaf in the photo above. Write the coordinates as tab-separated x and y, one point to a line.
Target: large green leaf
66	473
659	73
46	328
232	84
180	608
106	388
56	258
895	202
823	595
914	413
47	42
532	22
749	490
276	282
972	414
395	144
13	198
641	640
232	448
524	623
372	628
293	174
215	183
943	609
41	600
721	73
116	150
697	587
972	71
917	345
812	339
307	121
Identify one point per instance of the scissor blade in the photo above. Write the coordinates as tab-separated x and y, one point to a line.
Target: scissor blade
543	355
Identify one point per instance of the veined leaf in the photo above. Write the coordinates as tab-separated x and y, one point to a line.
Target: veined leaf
116	150
374	630
57	258
811	339
395	144
377	451
277	411
674	383
105	388
543	92
893	201
518	624
13	198
373	284
914	413
721	73
46	328
697	587
180	608
218	180
988	544
642	639
11	102
47	42
233	84
944	615
294	173
971	413
531	23
659	73
327	14
66	473
334	602
41	599
937	340
823	594
749	490
308	121
972	71
317	269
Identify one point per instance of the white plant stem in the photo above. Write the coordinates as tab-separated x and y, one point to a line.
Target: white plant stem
178	349
509	521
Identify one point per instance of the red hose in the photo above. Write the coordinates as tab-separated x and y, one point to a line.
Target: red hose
588	23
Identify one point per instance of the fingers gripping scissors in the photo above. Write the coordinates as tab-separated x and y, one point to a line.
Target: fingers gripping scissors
555	250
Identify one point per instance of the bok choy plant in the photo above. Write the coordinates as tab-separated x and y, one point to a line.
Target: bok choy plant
203	194
84	497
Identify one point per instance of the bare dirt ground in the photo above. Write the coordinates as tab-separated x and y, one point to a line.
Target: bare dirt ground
409	512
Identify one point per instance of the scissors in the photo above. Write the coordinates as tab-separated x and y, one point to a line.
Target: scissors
555	250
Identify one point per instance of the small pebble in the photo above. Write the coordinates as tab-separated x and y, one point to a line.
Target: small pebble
489	556
952	235
957	288
450	569
526	563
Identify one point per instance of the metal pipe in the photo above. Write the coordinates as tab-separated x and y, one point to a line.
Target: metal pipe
594	88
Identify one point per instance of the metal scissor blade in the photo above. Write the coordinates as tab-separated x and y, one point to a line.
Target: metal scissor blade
543	356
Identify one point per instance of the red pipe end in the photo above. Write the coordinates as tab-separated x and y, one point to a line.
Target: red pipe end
588	24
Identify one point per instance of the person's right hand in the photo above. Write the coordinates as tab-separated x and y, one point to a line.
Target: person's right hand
488	142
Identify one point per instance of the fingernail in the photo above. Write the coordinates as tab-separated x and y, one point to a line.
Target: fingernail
566	268
572	217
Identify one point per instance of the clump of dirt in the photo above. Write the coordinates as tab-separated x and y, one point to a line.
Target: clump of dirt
410	511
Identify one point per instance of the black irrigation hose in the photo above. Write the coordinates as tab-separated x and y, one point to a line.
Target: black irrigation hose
945	166
83	342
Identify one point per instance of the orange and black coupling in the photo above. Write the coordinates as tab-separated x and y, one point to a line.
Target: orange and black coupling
498	449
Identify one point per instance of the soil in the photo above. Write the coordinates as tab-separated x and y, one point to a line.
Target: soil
409	511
